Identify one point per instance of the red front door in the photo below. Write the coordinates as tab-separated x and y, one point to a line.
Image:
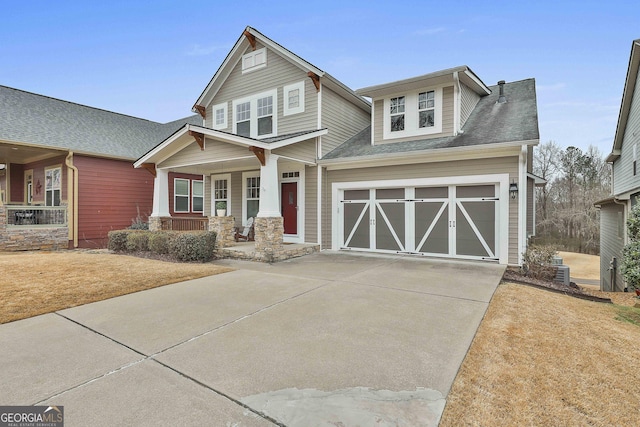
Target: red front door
290	207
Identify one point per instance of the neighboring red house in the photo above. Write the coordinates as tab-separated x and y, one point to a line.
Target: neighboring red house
66	174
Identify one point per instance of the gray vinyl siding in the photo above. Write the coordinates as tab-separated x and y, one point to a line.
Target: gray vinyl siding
305	150
431	170
447	120
214	151
611	244
311	204
468	101
530	205
207	195
236	197
624	180
342	118
278	73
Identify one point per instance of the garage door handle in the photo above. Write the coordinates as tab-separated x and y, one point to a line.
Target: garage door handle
452	223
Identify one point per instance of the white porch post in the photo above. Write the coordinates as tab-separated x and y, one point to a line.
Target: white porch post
269	192
161	194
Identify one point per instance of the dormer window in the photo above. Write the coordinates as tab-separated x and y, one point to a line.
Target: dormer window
413	114
426	109
254	60
396	113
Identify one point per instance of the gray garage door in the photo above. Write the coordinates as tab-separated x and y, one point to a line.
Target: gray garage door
453	221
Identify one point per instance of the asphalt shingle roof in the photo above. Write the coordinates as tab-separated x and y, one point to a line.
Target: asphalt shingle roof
489	123
48	122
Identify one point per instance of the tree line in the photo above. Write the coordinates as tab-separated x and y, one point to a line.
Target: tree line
565	215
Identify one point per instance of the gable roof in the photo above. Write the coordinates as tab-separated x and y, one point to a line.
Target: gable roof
38	120
627	97
235	55
515	122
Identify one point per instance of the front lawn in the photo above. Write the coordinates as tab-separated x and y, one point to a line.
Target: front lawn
34	283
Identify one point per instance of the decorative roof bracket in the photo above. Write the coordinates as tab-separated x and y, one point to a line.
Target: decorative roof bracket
199	137
316	80
251	38
201	110
259	152
150	167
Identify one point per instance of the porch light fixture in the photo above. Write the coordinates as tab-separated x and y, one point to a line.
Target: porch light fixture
2	166
513	190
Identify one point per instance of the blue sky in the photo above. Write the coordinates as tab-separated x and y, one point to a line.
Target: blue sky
152	59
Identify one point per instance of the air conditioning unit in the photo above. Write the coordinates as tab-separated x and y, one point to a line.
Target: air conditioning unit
562	275
556	260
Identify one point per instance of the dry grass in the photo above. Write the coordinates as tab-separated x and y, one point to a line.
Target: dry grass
540	358
42	282
582	266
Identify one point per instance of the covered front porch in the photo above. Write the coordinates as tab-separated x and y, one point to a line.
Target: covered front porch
212	180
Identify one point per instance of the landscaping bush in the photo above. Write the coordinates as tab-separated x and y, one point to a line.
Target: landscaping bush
536	262
117	240
193	246
630	265
137	240
159	242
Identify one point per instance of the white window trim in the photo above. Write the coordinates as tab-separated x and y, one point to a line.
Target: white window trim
193	196
300	180
251	56
214	178
215	108
175	195
53	189
246	175
253	101
285	98
411	115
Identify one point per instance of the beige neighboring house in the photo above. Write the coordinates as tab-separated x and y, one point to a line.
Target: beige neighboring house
437	165
625	188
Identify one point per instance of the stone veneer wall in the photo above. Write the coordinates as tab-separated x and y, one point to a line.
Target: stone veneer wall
24	238
223	226
155	223
269	238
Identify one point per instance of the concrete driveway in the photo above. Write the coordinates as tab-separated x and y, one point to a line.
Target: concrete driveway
330	339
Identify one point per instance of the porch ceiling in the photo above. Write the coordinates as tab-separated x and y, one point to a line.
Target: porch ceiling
21	154
225	166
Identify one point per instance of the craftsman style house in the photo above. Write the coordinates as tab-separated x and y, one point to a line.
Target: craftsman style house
436	165
614	210
66	175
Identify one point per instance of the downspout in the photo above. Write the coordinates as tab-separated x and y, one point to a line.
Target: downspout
456	104
319	173
72	188
613	265
522	203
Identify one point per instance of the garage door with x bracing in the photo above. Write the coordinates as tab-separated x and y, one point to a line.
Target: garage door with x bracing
453	221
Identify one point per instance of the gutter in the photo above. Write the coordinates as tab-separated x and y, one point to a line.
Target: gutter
72	188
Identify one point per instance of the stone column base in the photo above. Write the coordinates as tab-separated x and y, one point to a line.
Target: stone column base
223	226
155	223
269	237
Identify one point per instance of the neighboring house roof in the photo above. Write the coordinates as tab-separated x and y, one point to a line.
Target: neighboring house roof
465	74
240	47
514	121
38	120
627	98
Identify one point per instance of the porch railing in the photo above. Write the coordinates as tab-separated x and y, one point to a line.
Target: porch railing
30	216
185	224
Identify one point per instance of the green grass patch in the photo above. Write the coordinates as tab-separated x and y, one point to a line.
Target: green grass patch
629	314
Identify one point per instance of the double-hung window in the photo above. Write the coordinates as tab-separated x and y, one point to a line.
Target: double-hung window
181	195
255	116
221	191
413	114
426	109
396	113
252	195
197	196
53	186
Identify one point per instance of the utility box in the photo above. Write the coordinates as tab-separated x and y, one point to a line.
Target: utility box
562	275
556	260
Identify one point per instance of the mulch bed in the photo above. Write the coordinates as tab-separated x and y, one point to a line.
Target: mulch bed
514	275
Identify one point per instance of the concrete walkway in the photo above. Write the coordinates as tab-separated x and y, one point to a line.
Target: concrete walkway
324	340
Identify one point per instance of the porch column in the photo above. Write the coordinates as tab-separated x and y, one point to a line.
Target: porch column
269	194
161	194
